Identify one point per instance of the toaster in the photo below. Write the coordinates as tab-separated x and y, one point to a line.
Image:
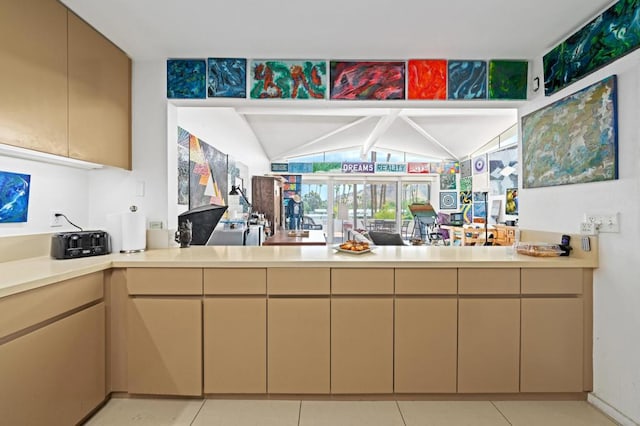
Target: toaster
69	245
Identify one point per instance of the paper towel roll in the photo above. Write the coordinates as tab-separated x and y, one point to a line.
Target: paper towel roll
134	236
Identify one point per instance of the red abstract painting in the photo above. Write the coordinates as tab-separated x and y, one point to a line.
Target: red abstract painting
367	80
428	79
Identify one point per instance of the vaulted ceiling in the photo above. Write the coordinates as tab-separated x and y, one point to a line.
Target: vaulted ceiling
350	30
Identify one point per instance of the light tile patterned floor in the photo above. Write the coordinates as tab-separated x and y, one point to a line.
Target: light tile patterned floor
223	412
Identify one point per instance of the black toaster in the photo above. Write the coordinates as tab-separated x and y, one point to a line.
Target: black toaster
69	245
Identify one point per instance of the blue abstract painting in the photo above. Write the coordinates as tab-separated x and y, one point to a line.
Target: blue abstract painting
467	80
609	36
14	197
573	140
227	78
186	79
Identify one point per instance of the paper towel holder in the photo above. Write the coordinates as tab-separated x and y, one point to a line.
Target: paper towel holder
139	247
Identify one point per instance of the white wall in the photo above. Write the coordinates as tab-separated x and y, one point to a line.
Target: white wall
616	288
53	187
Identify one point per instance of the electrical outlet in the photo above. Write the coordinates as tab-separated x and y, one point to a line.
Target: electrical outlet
604	222
55	221
588	228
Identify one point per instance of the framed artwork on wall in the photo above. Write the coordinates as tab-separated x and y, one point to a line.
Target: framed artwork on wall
427	79
186	79
288	79
14	197
448	200
467	79
367	80
227	78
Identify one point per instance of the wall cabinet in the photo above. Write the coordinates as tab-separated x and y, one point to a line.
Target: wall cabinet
33	77
362	331
298	331
99	98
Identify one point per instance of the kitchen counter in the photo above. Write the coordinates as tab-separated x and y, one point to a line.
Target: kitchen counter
21	275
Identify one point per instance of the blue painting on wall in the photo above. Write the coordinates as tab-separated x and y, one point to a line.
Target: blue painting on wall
186	79
14	197
609	36
227	78
467	80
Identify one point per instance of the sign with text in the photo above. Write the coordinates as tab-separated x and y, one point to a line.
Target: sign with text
366	167
391	168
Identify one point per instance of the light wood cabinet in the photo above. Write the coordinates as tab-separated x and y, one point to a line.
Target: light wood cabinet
164	346
426	327
33	76
56	374
488	345
235	331
99	97
266	197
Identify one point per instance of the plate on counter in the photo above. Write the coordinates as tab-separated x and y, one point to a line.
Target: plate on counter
341	250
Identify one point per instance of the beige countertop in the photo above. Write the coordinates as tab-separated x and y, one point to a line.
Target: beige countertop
21	275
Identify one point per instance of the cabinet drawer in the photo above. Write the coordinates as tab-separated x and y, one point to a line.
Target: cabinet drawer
164	281
298	281
23	310
488	281
552	281
235	281
362	281
426	281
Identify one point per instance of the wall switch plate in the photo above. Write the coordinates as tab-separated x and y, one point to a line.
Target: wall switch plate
588	228
55	221
604	222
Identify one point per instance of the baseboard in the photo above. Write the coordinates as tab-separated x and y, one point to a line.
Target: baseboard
610	411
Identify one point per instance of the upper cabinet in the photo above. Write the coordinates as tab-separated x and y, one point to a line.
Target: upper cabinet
99	98
33	76
66	89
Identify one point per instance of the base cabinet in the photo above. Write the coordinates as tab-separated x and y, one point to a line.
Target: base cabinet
488	345
61	373
165	346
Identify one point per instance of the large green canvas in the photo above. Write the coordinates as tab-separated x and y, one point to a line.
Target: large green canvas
288	79
508	80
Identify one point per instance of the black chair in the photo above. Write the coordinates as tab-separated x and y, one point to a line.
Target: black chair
380	238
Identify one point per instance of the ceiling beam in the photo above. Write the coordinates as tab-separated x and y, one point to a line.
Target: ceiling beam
427	136
289	153
383	125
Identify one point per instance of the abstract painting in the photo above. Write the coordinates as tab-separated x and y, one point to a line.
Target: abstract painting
508	79
186	79
479	204
466	183
479	164
14	197
208	174
448	201
288	79
465	168
511	207
503	170
448	181
573	140
466	210
367	80
183	167
227	78
427	79
467	79
465	197
609	36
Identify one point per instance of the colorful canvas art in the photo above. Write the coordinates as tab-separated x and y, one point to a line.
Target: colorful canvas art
465	197
208	174
288	79
479	164
427	79
508	79
367	80
465	168
186	79
227	78
14	197
183	167
448	181
609	36
467	213
419	168
466	183
511	206
448	200
573	140
467	79
479	204
503	170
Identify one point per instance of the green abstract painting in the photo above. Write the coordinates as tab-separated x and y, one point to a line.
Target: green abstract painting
508	79
288	79
573	140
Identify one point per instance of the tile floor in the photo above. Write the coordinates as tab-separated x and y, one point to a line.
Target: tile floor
212	412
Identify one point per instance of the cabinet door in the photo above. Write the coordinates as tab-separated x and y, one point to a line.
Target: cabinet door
165	346
235	345
425	345
56	374
33	76
362	345
552	345
488	345
298	345
99	98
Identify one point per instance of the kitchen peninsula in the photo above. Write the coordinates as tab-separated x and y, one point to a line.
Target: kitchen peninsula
410	322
